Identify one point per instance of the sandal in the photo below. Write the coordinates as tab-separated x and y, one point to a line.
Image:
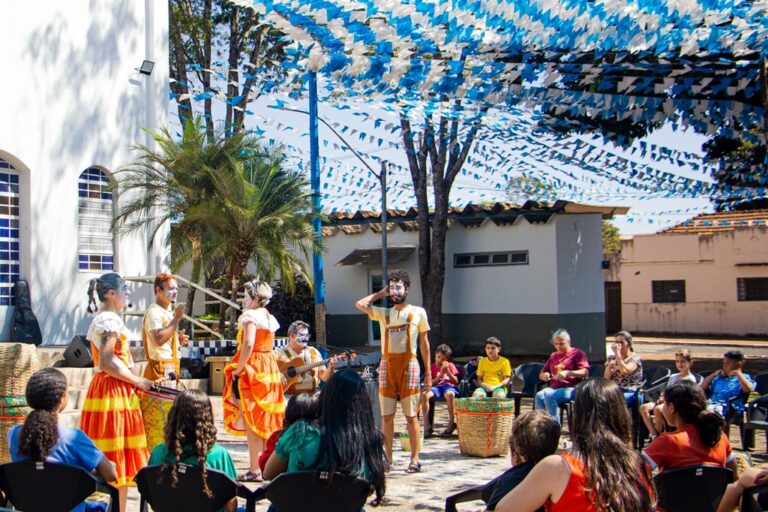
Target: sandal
428	432
250	476
448	432
413	467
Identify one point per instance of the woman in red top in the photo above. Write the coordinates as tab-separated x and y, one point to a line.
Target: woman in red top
601	473
699	438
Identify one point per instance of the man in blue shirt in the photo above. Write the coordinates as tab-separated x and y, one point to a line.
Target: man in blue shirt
727	383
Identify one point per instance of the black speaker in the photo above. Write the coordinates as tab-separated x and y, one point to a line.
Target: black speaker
78	353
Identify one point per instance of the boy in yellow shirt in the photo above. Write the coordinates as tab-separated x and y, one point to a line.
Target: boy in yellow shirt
493	372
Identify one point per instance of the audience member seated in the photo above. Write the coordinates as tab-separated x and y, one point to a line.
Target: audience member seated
727	383
624	367
683	363
535	435
190	438
601	473
493	371
347	441
751	477
304	406
699	438
445	382
566	367
41	438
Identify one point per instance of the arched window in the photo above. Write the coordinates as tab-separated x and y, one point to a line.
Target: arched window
9	232
96	244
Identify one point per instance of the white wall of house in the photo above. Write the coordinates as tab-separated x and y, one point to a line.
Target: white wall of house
710	265
579	257
71	100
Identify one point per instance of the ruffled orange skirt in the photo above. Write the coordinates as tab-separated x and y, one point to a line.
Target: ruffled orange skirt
112	418
261	407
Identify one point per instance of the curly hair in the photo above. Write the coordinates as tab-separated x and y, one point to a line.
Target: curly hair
190	430
400	275
617	479
44	392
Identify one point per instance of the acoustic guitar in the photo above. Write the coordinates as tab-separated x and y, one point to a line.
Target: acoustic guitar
294	369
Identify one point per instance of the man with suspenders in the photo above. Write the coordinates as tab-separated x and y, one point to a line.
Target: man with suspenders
159	331
403	326
298	337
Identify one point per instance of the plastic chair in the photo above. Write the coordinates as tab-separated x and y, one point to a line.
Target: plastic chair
756	415
319	491
479	492
528	373
155	489
698	488
48	487
754	499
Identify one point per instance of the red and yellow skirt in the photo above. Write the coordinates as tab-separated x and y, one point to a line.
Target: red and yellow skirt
261	407
112	418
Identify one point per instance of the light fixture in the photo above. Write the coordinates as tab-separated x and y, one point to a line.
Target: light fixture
146	67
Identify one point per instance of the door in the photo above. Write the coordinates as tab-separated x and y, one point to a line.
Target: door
612	306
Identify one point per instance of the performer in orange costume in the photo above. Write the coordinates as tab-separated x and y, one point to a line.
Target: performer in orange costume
111	415
253	392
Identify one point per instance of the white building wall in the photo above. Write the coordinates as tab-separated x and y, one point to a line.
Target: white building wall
520	289
579	258
72	99
710	266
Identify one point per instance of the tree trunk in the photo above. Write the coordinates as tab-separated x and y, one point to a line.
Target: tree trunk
178	67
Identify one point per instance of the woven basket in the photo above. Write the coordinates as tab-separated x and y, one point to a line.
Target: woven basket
405	441
484	425
10	416
18	361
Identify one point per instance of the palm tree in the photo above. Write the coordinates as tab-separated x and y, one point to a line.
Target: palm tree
258	212
163	185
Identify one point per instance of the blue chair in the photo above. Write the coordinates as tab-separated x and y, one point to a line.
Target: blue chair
528	374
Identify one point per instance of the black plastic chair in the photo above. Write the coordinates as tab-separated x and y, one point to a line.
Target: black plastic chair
754	499
756	414
469	382
479	492
528	374
155	489
49	487
319	491
703	487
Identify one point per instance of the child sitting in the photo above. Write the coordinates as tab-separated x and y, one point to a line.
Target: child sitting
493	372
304	406
445	381
190	438
535	435
41	438
683	362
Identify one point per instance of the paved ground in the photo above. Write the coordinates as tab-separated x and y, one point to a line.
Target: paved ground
446	471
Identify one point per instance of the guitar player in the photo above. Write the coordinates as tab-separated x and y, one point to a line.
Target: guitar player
298	337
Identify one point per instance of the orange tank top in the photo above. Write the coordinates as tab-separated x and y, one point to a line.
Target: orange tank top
574	497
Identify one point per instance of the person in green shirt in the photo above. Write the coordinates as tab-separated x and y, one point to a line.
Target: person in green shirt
190	438
345	439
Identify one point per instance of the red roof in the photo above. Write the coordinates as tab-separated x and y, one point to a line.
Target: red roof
710	223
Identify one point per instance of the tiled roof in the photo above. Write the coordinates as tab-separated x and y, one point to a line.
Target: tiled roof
472	215
710	223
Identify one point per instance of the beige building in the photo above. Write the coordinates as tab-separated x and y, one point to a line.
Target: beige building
708	275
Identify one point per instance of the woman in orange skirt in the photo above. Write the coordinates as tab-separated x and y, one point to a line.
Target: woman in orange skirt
111	415
253	392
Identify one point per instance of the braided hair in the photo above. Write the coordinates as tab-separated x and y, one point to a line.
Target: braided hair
189	431
44	392
100	286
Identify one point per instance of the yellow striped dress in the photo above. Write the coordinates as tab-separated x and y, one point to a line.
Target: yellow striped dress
261	407
111	415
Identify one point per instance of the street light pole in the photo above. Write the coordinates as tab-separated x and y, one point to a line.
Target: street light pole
383	181
314	166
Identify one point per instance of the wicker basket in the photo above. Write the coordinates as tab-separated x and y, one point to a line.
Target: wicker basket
12	412
405	441
484	425
18	361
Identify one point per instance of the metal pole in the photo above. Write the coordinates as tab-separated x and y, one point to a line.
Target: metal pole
317	258
383	181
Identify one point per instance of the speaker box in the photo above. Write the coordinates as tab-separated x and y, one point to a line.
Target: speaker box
78	353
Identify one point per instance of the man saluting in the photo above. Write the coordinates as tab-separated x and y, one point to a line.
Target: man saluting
402	327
